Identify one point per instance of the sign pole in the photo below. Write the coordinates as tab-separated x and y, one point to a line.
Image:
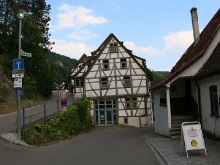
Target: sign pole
19	98
21	9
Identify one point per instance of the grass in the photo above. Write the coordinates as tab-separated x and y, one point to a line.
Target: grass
125	126
12	107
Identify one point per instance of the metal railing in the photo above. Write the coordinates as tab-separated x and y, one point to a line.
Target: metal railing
45	110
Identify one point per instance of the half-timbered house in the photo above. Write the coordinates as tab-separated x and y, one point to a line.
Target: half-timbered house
117	82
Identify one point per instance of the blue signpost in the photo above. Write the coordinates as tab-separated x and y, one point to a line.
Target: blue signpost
18	64
63	102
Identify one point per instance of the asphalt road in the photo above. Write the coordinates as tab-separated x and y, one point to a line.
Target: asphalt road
101	146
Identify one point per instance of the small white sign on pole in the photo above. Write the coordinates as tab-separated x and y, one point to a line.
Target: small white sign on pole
18	83
192	136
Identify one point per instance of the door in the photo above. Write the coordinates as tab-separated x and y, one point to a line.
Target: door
105	112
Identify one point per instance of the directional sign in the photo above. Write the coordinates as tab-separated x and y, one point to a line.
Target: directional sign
18	75
17	83
63	102
22	53
63	94
18	64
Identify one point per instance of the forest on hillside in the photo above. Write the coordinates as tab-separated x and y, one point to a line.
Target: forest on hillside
61	71
39	75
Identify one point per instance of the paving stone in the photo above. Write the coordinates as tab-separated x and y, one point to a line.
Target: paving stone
170	151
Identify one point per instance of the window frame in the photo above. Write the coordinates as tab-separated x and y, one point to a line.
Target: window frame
104	80
123	61
79	83
127	80
113	47
134	102
105	63
214	104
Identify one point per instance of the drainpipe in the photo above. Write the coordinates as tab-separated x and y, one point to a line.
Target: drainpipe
199	102
168	105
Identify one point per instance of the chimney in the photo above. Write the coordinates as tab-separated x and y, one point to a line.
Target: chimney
195	23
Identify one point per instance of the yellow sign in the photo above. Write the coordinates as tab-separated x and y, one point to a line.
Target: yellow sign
194	143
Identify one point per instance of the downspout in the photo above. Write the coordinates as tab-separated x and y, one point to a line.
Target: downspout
199	102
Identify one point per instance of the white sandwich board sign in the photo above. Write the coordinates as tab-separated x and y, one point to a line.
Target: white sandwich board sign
192	136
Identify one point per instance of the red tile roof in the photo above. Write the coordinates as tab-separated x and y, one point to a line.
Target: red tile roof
212	66
195	51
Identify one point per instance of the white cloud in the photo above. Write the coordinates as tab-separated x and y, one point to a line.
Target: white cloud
182	39
82	35
77	17
72	49
175	43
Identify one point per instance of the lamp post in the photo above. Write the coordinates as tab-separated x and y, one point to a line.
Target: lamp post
20	9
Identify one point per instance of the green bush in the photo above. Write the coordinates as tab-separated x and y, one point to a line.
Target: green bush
75	120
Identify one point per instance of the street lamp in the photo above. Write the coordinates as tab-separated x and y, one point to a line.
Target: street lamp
21	9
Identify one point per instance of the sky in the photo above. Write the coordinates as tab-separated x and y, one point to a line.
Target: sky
158	31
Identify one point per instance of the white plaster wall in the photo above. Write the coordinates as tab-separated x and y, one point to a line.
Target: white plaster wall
194	91
161	115
122	113
140	112
209	121
91	75
142	90
90	94
111	92
95	85
134	121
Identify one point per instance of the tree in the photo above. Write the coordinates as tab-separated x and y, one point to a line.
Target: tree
39	77
157	77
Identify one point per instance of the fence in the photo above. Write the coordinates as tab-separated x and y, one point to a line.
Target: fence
45	111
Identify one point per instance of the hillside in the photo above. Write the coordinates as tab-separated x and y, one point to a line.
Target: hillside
158	76
7	94
61	65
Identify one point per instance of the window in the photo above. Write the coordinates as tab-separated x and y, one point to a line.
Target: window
127	103
125	120
123	63
127	81
104	83
134	102
79	83
214	100
113	47
130	103
105	64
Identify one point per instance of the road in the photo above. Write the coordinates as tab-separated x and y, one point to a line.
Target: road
110	147
101	146
8	122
